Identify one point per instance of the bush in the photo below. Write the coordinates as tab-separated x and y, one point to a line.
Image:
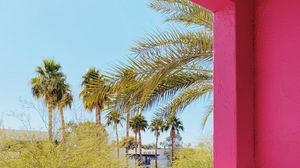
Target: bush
200	157
86	146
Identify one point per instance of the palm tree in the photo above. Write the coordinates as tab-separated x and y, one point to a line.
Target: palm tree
46	85
157	126
138	123
134	126
167	65
123	87
66	100
173	67
93	81
175	126
115	118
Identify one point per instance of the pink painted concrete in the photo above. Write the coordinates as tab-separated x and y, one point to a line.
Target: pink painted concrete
225	89
277	83
233	82
213	5
257	103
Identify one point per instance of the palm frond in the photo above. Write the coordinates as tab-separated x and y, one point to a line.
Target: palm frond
164	42
206	116
175	83
184	11
170	66
186	97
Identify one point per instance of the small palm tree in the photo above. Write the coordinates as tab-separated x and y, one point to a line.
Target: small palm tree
115	118
92	81
157	126
46	85
133	125
65	101
138	123
175	126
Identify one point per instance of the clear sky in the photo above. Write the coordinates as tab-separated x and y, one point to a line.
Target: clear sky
78	34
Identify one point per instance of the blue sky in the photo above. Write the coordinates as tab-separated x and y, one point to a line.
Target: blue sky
78	34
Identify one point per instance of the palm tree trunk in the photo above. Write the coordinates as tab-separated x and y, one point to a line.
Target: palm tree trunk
127	137
117	136
50	120
135	149
172	140
140	146
135	137
63	133
156	142
127	131
98	115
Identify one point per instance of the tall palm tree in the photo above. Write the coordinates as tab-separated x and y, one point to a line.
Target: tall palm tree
138	123
157	126
175	126
65	100
115	118
46	86
94	81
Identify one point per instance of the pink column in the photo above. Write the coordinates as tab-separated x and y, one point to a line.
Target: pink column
233	82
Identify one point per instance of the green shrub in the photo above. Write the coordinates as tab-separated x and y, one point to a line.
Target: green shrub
200	157
86	146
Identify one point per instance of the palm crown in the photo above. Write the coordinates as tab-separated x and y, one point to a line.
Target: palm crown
47	83
174	124
157	126
138	123
114	118
93	85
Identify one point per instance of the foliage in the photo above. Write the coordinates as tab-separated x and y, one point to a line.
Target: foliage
157	126
184	11
138	123
81	149
200	157
149	146
114	118
167	142
49	85
65	100
174	124
169	67
92	85
132	143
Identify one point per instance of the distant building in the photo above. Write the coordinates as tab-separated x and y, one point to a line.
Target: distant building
149	157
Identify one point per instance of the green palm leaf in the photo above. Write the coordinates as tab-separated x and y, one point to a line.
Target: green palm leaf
184	11
186	97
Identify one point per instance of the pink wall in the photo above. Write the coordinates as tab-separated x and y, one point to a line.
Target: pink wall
277	62
257	83
233	82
